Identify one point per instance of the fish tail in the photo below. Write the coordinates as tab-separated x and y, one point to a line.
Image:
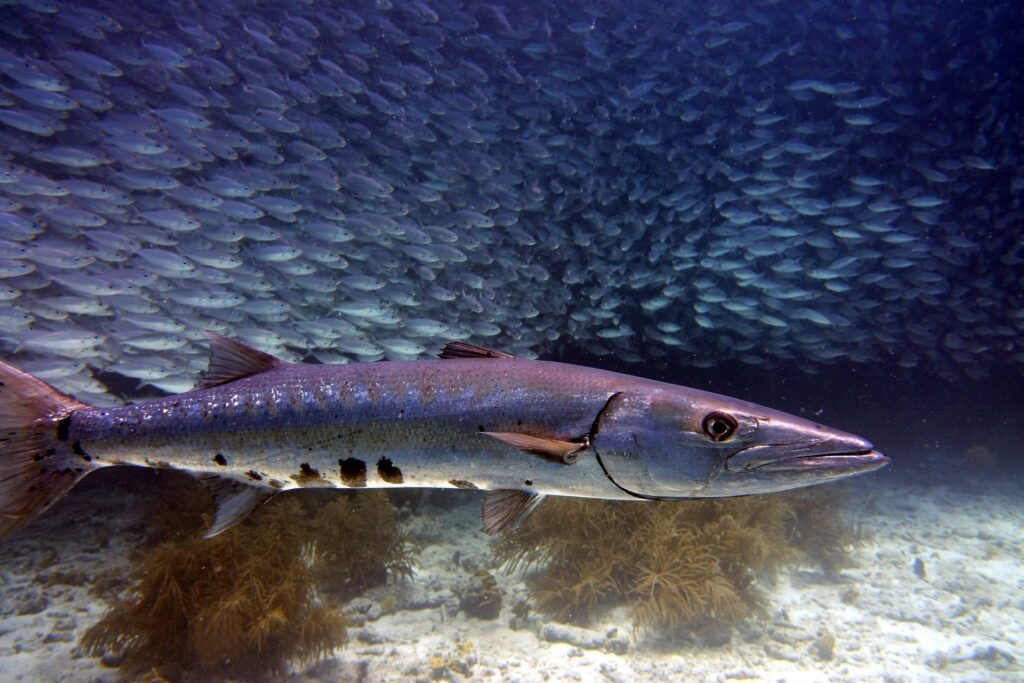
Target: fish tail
37	464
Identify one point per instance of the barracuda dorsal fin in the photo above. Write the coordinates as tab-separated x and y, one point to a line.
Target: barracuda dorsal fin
459	349
555	450
234	501
231	359
508	508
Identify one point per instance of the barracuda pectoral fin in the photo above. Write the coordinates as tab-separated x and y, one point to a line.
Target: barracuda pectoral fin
231	360
234	501
459	349
508	508
554	450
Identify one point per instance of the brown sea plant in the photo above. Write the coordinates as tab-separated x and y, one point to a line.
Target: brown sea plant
247	602
678	565
356	542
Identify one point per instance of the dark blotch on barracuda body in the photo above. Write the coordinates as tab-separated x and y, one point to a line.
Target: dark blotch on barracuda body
388	472
77	449
353	472
307	475
64	429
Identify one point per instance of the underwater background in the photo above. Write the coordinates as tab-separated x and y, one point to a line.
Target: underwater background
811	205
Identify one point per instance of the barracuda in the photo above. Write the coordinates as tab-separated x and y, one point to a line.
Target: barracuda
475	419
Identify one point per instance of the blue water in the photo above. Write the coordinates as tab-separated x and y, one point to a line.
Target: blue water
813	205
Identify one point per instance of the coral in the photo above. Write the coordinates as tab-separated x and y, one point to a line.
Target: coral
151	676
356	542
819	532
69	577
458	661
244	603
579	599
678	565
482	598
109	583
183	509
241	604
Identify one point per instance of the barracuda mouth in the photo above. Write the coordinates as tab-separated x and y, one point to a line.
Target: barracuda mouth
861	461
840	453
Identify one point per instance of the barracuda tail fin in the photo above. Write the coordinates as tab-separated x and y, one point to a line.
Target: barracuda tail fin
36	465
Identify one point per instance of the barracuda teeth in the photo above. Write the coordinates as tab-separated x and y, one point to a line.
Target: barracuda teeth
701	183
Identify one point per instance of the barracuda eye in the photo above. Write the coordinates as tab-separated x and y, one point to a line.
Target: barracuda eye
718	426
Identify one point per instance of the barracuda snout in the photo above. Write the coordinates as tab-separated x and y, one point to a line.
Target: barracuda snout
782	439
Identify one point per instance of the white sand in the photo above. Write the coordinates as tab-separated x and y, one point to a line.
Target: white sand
963	621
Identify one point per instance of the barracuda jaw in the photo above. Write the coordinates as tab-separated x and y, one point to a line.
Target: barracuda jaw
769	468
832	463
784	451
852	463
836	453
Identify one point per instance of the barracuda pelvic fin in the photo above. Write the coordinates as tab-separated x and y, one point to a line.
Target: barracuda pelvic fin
508	508
234	501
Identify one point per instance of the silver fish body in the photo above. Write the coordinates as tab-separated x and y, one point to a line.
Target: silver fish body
477	419
406	423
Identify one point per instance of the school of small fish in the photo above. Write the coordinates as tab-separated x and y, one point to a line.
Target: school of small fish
351	181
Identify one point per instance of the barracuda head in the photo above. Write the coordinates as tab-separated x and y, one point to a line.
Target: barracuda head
677	442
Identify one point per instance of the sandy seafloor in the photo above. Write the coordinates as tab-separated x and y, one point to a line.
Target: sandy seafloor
963	621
